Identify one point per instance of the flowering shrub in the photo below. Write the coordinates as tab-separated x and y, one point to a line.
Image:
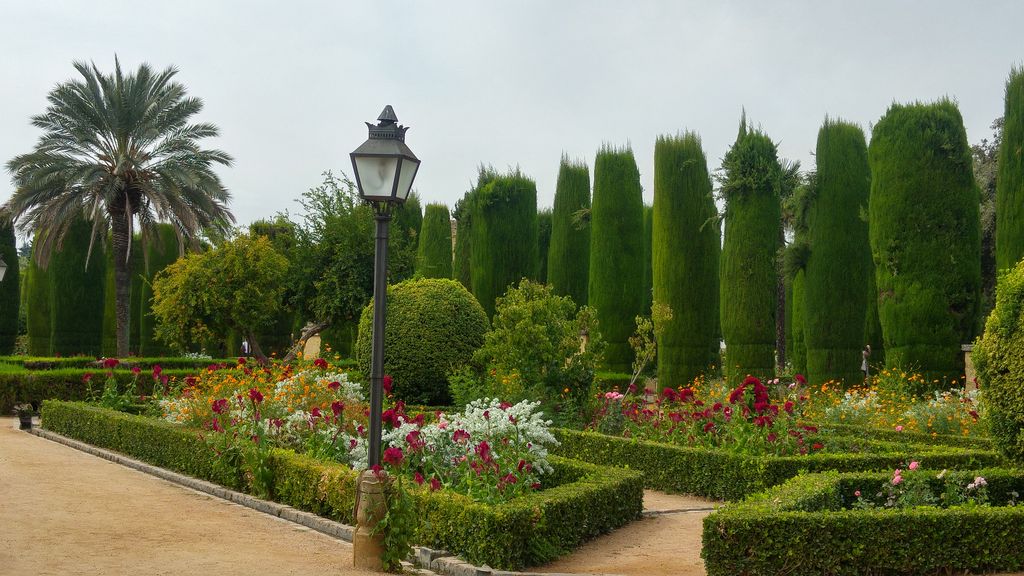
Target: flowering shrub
747	421
910	488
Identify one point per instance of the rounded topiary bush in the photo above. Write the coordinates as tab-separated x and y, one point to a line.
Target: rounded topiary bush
999	360
433	325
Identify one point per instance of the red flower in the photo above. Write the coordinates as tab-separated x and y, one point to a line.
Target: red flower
220	406
509	478
800	378
669	394
109	363
505	405
418	478
255	395
435	484
716	407
811	429
788	407
709	426
772	437
136	370
157	370
521	465
320	363
241	361
535	485
391	417
414	441
685	395
337	406
460	435
315	412
393	456
387	383
487	414
216	426
817	446
334	385
483	450
737	394
87	377
190	381
750	381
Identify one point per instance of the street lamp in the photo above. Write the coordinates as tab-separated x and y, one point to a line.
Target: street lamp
3	268
384	169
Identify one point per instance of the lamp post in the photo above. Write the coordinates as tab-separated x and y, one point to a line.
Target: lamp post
384	169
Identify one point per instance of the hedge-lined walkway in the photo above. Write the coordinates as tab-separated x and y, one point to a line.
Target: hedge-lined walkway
66	512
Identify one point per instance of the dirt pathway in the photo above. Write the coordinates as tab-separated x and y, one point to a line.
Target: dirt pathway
66	512
665	542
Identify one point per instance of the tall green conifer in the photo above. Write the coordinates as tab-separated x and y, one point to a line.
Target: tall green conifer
684	259
839	261
504	236
1010	181
569	254
38	307
434	257
10	297
463	214
616	286
77	287
648	274
798	353
543	244
750	186
925	237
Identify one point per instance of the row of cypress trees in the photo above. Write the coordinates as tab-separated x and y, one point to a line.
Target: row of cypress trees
10	299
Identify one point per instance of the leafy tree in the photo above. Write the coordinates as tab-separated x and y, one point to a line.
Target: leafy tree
616	286
120	149
10	298
1010	184
236	286
277	337
925	237
434	257
569	252
685	259
504	236
751	180
986	165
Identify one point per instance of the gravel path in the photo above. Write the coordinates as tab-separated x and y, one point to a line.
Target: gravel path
66	512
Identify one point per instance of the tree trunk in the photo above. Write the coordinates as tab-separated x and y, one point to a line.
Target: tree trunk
121	242
308	332
257	350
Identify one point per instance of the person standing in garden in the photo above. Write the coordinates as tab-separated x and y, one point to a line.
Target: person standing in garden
866	353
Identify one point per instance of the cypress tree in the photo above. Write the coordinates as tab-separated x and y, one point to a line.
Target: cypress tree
569	254
543	244
872	327
77	288
648	273
504	236
38	307
798	353
434	257
750	187
1010	180
109	342
684	259
10	297
463	214
616	285
925	237
162	250
839	261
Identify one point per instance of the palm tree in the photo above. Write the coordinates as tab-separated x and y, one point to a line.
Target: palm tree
119	150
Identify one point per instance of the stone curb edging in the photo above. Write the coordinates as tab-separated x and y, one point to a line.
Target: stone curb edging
423	560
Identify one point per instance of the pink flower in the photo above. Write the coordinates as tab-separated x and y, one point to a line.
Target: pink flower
418	478
460	435
136	370
110	363
387	383
857	493
157	370
899	428
913	465
435	484
896	480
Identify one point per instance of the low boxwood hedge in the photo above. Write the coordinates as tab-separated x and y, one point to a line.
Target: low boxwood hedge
167	363
907	436
20	385
581	501
804	527
721	475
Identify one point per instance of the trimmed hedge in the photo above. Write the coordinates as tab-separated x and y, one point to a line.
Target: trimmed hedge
850	430
803	527
10	286
19	385
1010	181
583	501
167	363
722	475
434	253
569	253
37	300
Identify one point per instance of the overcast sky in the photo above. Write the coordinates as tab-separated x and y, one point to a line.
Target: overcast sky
510	83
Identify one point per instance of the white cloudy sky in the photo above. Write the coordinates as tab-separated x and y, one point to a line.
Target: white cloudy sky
510	83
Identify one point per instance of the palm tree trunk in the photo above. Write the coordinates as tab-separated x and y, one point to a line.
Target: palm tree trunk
122	278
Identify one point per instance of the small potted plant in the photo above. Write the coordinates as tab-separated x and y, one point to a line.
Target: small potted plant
24	412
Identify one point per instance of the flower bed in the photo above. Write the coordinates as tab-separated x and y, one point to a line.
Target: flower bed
21	385
578	502
731	476
807	526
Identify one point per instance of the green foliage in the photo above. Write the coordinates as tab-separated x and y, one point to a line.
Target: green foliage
330	277
999	360
751	181
536	342
821	536
504	236
798	352
648	274
77	282
433	326
434	259
616	285
685	259
730	476
838	267
38	304
1010	181
581	502
404	235
203	296
10	297
277	338
23	385
569	253
544	218
872	325
925	237
162	251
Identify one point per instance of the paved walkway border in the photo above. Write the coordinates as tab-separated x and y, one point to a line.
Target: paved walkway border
424	560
